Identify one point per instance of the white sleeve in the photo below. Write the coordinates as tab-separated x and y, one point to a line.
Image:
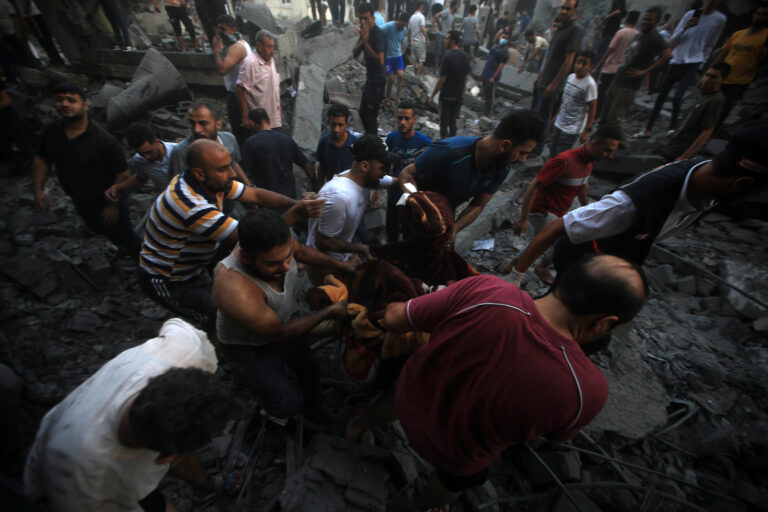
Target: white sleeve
611	215
591	91
334	216
386	182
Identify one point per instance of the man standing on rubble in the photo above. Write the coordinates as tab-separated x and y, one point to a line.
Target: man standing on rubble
372	44
417	38
501	369
88	163
186	227
229	52
453	78
258	83
473	168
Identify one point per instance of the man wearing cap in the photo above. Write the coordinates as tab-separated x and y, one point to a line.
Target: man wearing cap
345	197
88	162
654	205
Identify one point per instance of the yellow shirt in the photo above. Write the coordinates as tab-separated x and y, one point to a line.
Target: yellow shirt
745	51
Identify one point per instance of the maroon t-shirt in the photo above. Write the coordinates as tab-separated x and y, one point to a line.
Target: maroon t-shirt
494	374
562	176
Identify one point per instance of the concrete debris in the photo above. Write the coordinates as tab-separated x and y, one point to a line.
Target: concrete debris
308	112
259	14
751	278
566	465
564	504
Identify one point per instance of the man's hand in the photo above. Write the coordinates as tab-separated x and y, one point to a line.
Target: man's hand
632	72
521	226
109	214
584	137
550	90
111	193
349	265
692	22
310	208
42	200
365	31
217	44
245	122
337	311
491	80
365	250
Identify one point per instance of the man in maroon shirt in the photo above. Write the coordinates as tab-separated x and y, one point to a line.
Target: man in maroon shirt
502	369
551	192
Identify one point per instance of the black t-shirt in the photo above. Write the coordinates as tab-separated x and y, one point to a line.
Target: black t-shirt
455	70
87	165
567	39
640	55
612	25
268	159
374	71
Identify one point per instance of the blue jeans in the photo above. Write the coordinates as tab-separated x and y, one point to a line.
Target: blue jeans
561	141
684	75
117	20
545	107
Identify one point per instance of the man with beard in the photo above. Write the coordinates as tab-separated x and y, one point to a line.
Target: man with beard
345	197
88	162
205	122
229	52
404	143
258	83
473	168
333	154
186	227
254	290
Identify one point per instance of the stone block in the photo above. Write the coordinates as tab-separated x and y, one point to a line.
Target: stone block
707	365
478	497
662	276
751	278
99	269
687	284
84	321
308	109
566	465
152	23
761	325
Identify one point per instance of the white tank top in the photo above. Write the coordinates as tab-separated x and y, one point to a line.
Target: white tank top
230	79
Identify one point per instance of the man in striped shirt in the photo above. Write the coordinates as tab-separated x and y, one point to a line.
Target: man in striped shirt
186	227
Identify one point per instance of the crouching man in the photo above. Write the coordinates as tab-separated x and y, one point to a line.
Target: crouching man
502	369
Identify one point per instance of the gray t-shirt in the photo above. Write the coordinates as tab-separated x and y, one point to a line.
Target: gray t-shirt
566	40
157	172
468	30
179	156
446	21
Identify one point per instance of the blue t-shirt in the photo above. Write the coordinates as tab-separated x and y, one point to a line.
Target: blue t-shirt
448	167
496	56
334	159
378	19
374	70
394	39
405	149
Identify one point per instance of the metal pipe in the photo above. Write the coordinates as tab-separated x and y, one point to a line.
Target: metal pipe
557	480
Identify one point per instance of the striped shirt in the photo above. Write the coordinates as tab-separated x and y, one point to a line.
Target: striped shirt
562	176
185	228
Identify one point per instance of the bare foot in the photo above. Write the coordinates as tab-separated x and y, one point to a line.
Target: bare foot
544	274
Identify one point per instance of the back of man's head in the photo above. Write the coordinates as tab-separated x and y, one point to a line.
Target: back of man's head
454	36
601	284
632	17
262	230
180	410
607	131
520	126
227	20
258	115
745	155
138	133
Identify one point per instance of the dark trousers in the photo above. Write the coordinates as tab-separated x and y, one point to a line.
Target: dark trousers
449	111
602	47
394	8
393	216
177	16
264	369
209	11
235	115
561	141
117	20
489	95
733	94
190	299
43	35
373	94
545	106
681	74
337	10
120	232
602	87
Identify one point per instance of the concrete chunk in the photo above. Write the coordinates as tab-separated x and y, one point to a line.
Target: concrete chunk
308	110
566	465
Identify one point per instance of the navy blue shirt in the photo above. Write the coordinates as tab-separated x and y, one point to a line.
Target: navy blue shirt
334	159
448	167
496	56
374	71
406	149
268	158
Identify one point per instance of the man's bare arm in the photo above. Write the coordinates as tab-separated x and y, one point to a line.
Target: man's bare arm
333	244
696	144
561	74
473	209
407	175
438	86
584	195
312	256
39	177
245	122
530	193
396	319
540	243
235	54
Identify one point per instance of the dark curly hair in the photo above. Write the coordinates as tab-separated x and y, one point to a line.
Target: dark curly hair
180	410
519	126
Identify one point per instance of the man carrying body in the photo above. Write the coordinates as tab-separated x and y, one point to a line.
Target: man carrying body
345	197
372	45
394	34
417	38
268	158
186	227
550	194
453	77
255	291
654	205
229	52
333	155
495	358
258	83
88	162
473	168
143	414
404	143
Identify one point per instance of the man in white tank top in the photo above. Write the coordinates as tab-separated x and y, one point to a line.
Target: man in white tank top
257	326
230	50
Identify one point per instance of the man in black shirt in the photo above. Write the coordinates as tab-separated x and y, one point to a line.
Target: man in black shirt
453	77
88	161
268	157
372	43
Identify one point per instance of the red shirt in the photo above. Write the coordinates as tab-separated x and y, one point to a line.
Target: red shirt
562	176
494	374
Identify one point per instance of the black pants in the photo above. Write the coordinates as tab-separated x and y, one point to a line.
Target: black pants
209	11
120	232
681	74
602	87
40	29
489	95
117	20
337	10
733	94
235	115
177	16
190	299
373	93
449	111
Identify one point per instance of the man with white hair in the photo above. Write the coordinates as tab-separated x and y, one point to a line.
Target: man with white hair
258	83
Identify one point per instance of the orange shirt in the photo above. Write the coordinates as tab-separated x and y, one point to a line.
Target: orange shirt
745	51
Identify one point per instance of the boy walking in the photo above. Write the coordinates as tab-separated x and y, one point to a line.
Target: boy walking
577	108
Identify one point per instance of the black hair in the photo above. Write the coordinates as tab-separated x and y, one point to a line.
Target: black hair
365	8
227	20
375	4
529	32
608	131
369	147
262	230
180	410
588	288
338	110
403	17
655	10
519	126
632	17
589	54
666	16
455	3
68	87
258	115
213	108
472	8
723	67
745	154
138	133
407	105
455	36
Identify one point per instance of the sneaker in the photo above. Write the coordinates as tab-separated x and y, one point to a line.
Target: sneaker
129	48
670	132
116	47
641	135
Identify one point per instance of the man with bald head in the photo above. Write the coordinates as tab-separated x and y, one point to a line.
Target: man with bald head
187	225
502	369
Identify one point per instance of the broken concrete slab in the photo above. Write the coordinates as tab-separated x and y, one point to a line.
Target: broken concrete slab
259	13
101	98
751	278
308	110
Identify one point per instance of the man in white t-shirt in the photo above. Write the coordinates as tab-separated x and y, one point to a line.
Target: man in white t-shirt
417	38
111	441
577	107
345	198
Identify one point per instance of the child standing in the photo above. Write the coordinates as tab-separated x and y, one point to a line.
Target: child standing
577	108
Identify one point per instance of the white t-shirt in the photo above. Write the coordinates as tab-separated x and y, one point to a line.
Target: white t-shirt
77	462
577	92
155	171
343	211
695	44
414	27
